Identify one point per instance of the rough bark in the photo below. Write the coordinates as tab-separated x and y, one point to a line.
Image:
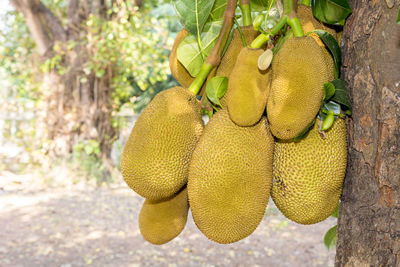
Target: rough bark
76	110
369	220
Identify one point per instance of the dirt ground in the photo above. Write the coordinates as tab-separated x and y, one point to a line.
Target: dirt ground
83	225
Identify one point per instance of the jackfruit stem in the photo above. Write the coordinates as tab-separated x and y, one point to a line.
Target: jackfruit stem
305	2
290	7
214	58
198	82
244	6
294	23
263	38
289	17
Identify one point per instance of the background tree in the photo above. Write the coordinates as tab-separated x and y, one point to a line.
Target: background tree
369	225
88	60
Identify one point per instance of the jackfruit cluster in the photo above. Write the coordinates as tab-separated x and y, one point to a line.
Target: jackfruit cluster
226	171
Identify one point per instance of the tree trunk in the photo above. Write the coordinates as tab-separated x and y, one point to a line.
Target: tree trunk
77	109
369	220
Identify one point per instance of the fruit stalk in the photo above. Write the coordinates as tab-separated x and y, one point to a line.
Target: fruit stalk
289	17
305	2
214	58
246	12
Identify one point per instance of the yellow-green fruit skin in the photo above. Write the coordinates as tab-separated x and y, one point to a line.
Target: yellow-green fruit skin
177	69
308	175
230	178
229	59
155	159
162	221
299	71
310	23
248	88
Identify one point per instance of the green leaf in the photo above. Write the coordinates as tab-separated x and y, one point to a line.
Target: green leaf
333	47
193	14
398	17
216	89
259	5
341	95
330	238
331	106
331	11
189	52
329	90
89	150
217	11
335	214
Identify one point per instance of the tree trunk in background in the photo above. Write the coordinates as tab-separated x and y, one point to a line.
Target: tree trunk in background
369	220
77	109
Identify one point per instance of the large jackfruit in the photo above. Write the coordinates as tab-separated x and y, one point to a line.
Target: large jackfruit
308	175
162	221
177	69
230	178
229	59
299	71
248	88
155	159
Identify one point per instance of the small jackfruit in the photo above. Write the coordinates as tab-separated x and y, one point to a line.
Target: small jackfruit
308	175
248	88
155	159
230	178
162	221
299	71
229	59
177	69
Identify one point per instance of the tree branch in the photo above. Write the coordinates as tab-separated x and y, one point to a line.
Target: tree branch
44	26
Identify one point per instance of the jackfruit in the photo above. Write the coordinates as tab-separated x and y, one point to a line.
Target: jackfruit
229	59
162	221
177	69
299	71
155	159
230	178
248	88
308	175
310	23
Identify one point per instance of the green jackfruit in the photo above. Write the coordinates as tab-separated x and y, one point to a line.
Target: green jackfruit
308	175
235	46
155	159
177	69
230	178
299	71
162	221
229	59
248	88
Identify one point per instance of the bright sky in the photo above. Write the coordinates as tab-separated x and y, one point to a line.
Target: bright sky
4	7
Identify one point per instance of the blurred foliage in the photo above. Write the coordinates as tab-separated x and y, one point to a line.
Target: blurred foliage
134	43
